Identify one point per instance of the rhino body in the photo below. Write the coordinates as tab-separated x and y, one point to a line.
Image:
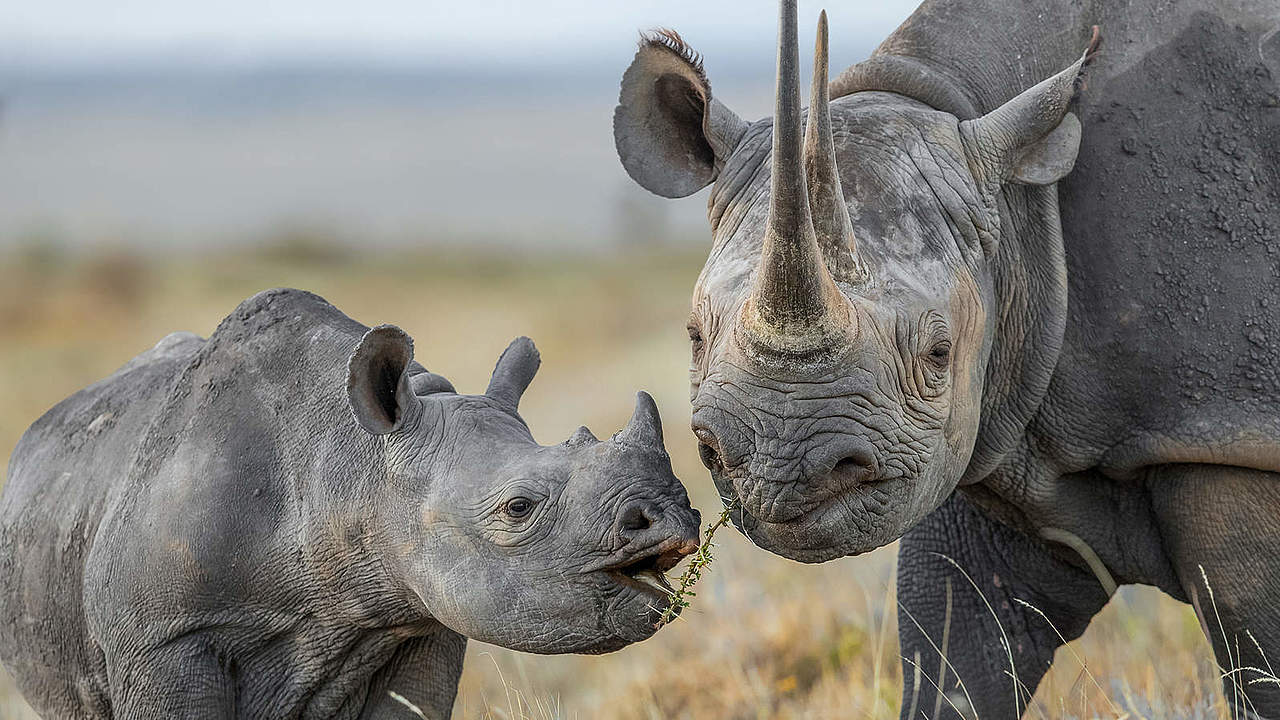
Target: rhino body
293	518
1157	440
1092	397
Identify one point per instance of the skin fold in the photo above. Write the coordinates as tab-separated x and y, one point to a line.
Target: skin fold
293	518
1006	294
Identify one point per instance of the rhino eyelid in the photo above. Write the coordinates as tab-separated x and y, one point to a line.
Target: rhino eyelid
939	355
523	487
695	334
519	507
698	342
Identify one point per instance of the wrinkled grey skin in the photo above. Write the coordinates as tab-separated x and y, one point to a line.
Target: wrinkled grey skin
292	518
1056	337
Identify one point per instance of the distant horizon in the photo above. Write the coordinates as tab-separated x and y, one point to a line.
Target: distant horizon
484	32
172	125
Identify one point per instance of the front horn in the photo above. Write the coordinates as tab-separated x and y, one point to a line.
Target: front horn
645	428
795	307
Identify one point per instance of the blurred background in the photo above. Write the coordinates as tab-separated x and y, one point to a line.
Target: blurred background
450	168
172	125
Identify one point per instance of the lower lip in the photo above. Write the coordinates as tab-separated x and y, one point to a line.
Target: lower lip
813	514
628	581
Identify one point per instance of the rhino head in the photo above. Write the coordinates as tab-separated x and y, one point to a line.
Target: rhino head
843	324
541	549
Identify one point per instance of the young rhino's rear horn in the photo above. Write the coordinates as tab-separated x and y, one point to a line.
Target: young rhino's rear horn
582	436
645	428
515	370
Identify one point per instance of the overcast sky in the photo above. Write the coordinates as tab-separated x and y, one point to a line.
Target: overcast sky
487	31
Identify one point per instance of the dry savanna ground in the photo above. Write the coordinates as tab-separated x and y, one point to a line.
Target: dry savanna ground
765	638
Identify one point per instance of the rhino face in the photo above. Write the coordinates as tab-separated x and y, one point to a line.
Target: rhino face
540	549
841	327
838	448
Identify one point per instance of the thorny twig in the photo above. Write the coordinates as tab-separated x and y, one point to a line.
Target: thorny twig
693	572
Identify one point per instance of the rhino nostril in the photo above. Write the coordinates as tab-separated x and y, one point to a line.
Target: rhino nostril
709	456
708	449
859	466
636	517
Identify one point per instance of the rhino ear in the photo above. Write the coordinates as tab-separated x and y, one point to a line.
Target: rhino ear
671	135
1051	158
378	384
1031	139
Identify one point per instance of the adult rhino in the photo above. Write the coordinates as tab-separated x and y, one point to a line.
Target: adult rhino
293	519
918	322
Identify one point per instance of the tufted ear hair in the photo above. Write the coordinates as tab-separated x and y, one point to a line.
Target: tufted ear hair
1031	139
671	135
378	385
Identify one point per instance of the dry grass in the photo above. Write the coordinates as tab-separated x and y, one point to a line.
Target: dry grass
765	638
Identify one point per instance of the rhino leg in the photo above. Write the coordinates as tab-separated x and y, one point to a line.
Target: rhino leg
1009	568
425	672
1221	528
183	679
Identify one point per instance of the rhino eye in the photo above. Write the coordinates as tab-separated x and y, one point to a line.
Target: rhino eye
518	507
695	337
940	353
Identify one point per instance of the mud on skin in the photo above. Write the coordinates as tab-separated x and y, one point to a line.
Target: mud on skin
293	517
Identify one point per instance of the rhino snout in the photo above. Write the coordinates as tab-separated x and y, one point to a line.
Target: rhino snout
646	523
780	489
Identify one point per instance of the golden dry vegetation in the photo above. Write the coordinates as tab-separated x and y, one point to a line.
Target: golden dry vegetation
765	637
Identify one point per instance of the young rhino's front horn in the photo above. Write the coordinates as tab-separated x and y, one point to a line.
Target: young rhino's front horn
645	427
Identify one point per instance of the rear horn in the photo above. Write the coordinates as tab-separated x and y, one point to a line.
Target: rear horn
831	222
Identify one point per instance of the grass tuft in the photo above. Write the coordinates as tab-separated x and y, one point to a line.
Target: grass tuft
407	703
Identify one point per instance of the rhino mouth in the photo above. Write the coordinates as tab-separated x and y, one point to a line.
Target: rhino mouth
647	570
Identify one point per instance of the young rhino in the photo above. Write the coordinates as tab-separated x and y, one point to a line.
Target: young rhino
293	519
